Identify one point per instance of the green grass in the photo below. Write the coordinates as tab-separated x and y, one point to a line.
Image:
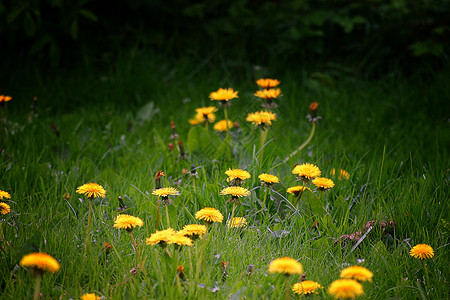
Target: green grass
391	135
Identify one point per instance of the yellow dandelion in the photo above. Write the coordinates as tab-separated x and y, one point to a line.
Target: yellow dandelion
268	94
323	183
357	273
285	265
160	237
127	222
92	190
194	231
306	287
206	114
342	174
4	195
223	95
40	261
422	251
237	174
237	222
4	98
268	178
235	191
267	83
209	215
261	118
90	296
195	121
306	171
4	208
166	192
296	190
222	125
345	289
179	240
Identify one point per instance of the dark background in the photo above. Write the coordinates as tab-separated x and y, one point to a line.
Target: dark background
372	37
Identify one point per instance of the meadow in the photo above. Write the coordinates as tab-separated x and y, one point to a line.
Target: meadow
113	126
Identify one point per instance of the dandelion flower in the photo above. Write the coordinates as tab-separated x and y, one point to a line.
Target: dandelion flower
92	190
164	193
285	265
4	98
4	195
237	174
40	262
209	215
222	125
268	94
422	251
4	208
160	237
204	114
357	273
306	171
235	192
261	118
268	179
90	296
306	287
345	289
223	95
342	174
179	240
127	222
194	231
323	183
296	190
237	222
267	83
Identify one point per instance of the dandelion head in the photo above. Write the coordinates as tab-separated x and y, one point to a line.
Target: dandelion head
342	174
235	192
422	251
306	287
285	265
92	190
261	118
194	231
296	190
323	183
179	239
267	83
357	273
345	289
127	222
268	179
268	94
209	215
237	174
4	98
40	261
160	237
306	171
164	193
4	208
223	95
222	125
4	195
237	222
90	296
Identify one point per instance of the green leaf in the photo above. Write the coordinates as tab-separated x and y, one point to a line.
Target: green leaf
88	15
29	26
74	29
200	140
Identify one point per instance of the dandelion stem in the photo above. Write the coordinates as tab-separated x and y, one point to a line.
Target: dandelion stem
426	273
265	197
232	213
88	230
167	215
288	288
199	264
311	134
228	132
139	258
264	132
157	214
37	286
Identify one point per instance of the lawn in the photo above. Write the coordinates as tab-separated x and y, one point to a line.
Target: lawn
112	126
